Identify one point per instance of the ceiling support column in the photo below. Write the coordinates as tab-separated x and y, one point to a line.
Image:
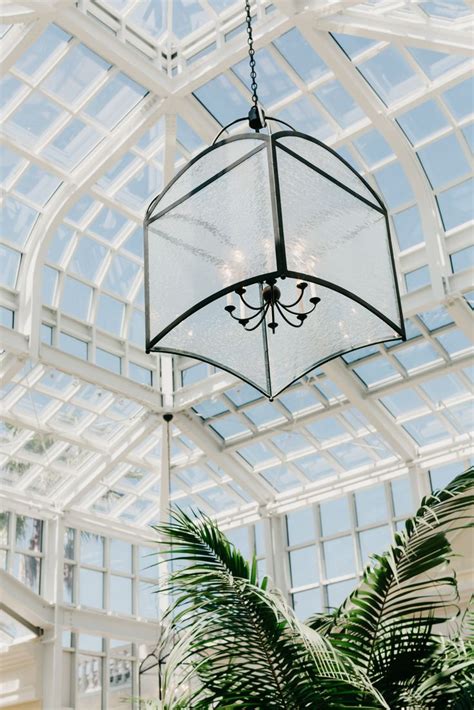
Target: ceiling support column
52	580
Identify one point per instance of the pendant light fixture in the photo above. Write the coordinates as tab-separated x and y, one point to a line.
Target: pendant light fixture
268	255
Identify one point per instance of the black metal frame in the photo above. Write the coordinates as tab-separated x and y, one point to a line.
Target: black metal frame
271	142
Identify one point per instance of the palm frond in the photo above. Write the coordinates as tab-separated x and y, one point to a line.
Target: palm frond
240	644
386	625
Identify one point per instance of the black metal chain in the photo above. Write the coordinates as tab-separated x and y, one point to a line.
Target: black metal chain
253	73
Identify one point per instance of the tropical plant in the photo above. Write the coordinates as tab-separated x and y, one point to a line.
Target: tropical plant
236	642
387	626
232	641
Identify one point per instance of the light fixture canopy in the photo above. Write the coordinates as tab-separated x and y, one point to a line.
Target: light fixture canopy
258	233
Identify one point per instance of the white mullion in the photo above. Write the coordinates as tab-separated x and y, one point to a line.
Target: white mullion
19	40
109	193
432	90
316	512
429	337
444	411
11	541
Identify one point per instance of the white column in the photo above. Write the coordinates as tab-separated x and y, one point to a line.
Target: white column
165	495
165	468
52	640
278	553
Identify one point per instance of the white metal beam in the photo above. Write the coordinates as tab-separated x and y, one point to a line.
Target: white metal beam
17	344
109	625
23	601
111	148
165	473
81	492
368	398
414	33
126	58
400	442
18	40
192	426
41	613
365	97
462	314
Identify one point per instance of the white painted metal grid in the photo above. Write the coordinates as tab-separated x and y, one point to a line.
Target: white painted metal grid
385	83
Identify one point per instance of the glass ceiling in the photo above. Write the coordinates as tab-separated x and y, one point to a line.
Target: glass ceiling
99	109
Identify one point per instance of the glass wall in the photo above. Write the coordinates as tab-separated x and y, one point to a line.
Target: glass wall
21	548
110	574
329	544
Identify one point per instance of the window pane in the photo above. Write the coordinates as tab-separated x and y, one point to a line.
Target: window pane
303	565
68	584
339	557
147	600
339	103
418	278
91	588
10	260
301	55
114	100
110	314
456	205
307	603
401	496
140	374
374	541
27	569
120	683
29	533
463	259
338	592
4	523
121	594
441	476
89	642
444	161
92	549
274	83
373	147
300	526
76	299
423	121
390	75
108	361
120	555
73	346
334	516
371	505
222	100
69	537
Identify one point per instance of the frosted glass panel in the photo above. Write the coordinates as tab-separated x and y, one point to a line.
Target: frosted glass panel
337	325
335	236
209	242
325	160
204	168
212	334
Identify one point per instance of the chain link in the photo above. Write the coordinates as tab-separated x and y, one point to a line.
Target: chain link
253	73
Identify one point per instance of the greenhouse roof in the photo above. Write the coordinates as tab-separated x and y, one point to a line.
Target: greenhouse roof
102	100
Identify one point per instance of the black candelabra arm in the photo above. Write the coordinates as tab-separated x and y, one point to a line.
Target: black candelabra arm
271	296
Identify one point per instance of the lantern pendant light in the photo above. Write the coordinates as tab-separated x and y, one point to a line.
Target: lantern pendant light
268	255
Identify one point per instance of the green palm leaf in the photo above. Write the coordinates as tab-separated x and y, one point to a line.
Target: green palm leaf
240	645
386	625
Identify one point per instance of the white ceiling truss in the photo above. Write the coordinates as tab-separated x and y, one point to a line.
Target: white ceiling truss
62	449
